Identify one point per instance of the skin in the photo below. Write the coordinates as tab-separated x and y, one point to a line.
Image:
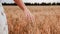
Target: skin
29	16
26	11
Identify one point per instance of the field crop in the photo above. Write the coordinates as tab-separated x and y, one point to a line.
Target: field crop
47	19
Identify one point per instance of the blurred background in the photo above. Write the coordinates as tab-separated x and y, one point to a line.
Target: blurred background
34	2
47	18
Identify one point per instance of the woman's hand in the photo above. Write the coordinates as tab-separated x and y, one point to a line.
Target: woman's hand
29	16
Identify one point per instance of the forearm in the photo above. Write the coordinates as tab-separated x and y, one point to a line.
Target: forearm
20	4
24	8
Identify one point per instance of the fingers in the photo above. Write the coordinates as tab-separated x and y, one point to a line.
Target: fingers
30	18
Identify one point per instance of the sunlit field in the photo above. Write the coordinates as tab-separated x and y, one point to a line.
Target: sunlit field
47	19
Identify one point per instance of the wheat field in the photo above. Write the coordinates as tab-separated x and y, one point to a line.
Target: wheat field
47	19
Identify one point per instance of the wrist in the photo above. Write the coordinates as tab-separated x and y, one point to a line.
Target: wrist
25	10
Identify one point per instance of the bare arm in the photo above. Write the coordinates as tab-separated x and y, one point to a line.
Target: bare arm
20	4
25	10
